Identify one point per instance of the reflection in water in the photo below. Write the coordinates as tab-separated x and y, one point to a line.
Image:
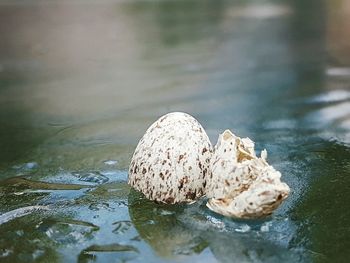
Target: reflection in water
27	243
174	231
90	254
243	249
81	81
158	225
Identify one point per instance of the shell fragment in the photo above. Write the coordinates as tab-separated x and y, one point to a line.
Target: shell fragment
242	184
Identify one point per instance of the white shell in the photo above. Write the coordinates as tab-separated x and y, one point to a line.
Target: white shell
171	163
243	185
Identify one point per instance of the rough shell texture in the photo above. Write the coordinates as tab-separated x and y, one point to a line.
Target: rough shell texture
243	185
172	160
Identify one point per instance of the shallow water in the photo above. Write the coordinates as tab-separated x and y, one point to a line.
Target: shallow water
80	81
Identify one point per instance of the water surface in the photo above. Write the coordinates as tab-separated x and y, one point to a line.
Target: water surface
80	82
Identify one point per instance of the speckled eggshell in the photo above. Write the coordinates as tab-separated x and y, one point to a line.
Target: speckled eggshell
231	166
172	160
259	199
241	184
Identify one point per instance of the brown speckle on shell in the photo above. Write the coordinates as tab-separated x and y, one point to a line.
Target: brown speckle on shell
176	148
175	162
242	184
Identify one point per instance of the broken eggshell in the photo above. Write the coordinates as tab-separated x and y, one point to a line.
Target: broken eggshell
172	160
241	184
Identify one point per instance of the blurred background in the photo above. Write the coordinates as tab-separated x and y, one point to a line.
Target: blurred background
80	82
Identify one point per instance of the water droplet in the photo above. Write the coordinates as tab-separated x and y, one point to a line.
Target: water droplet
265	227
110	162
217	223
166	212
243	229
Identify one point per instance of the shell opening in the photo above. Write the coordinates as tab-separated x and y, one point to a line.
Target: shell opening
243	185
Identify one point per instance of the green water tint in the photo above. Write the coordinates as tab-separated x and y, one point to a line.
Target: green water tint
324	208
78	92
20	183
158	225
